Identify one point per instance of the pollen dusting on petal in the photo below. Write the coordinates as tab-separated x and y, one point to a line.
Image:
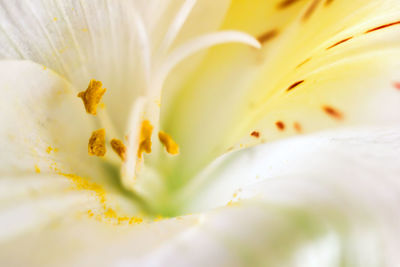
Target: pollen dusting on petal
92	96
104	213
158	218
334	113
145	138
97	143
119	148
37	169
170	145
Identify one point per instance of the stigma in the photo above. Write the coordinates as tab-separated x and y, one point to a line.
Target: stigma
97	143
92	96
170	145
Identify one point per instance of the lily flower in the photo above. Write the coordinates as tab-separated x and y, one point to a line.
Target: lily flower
199	133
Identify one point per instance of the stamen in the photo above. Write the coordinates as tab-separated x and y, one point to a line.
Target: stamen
119	148
170	145
92	96
145	138
97	143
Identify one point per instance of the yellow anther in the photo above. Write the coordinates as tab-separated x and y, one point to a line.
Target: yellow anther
119	148
170	145
145	138
92	96
97	143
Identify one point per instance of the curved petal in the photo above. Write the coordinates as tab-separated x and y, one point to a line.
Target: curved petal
40	118
335	156
304	212
310	76
84	40
44	141
317	200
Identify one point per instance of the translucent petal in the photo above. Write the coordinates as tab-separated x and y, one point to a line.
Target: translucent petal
100	39
310	76
45	169
340	186
44	125
302	211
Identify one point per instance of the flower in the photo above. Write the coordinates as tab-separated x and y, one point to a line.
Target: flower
274	123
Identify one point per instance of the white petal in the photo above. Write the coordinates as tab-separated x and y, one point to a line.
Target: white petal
305	211
44	140
43	121
341	186
100	39
334	156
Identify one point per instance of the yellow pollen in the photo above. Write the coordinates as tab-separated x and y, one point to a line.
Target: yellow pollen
170	145
92	96
119	148
37	169
97	143
145	138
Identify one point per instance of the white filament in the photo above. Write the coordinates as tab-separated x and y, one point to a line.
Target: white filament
195	45
177	25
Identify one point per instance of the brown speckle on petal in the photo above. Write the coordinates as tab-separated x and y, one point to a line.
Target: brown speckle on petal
280	125
340	42
255	134
297	127
310	10
384	26
334	113
304	62
286	3
328	2
294	85
267	36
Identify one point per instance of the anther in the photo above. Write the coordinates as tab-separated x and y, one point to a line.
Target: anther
97	143
170	145
145	138
119	148
92	96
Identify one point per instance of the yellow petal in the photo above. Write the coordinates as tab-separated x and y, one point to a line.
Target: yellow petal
323	68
